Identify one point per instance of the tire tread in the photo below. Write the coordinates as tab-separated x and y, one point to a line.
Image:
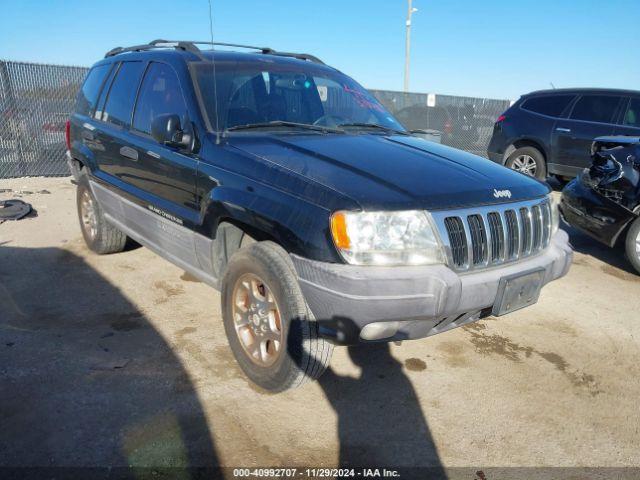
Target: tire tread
316	351
109	239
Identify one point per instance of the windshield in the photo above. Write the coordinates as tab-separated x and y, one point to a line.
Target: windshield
260	92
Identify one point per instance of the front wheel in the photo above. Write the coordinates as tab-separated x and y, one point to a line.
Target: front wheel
528	160
271	331
632	244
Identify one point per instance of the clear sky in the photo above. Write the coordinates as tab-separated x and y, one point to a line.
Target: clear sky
497	49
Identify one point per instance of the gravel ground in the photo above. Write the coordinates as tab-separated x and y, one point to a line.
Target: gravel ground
122	360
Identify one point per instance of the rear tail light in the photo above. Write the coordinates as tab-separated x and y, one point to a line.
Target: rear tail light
448	128
67	134
501	119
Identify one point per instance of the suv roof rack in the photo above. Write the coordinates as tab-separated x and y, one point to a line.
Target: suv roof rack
191	46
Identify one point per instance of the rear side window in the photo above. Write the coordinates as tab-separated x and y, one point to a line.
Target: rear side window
595	108
552	105
160	93
88	95
632	117
122	95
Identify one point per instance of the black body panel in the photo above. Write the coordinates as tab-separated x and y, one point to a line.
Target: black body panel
605	199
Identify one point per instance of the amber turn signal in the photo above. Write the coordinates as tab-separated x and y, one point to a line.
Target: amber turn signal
339	231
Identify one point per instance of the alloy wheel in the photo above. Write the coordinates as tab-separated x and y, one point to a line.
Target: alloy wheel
525	164
257	320
88	215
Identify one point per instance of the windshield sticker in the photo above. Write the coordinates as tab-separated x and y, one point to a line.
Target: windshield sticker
323	92
364	100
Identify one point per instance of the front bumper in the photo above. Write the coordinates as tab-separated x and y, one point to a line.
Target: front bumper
416	301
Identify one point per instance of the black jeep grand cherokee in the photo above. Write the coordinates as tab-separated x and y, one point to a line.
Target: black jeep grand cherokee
286	185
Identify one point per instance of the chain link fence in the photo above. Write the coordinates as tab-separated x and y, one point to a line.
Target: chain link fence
36	100
460	122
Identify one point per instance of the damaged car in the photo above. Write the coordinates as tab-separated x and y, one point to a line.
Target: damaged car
604	200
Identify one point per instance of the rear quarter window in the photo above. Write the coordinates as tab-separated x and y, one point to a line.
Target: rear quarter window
122	94
551	105
88	95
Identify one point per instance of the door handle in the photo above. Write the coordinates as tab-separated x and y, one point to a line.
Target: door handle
129	152
565	130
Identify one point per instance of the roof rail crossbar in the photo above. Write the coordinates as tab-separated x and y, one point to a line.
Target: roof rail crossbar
299	56
156	44
195	42
191	46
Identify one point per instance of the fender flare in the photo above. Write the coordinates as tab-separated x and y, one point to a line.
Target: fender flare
230	214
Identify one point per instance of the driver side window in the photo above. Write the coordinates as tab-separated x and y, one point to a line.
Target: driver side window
160	93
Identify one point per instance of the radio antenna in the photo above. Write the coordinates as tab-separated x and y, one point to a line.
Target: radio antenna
215	82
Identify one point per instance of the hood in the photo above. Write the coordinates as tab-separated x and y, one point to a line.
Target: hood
393	172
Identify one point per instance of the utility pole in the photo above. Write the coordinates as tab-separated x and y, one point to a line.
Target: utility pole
407	53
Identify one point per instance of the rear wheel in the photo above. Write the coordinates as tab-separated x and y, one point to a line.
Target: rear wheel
632	245
528	160
99	235
271	331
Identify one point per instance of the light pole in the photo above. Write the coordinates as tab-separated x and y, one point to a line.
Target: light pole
407	53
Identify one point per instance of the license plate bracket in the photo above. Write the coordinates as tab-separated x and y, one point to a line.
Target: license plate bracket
518	291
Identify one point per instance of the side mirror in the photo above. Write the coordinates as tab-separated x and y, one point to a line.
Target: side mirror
166	130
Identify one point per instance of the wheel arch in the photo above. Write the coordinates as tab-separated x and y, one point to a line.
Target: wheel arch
234	218
525	142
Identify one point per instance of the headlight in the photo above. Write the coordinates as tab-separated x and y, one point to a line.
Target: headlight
386	238
554	201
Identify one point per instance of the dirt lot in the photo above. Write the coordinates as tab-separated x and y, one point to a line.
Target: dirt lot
122	360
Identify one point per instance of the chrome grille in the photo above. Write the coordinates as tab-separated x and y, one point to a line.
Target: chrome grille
513	234
497	236
478	239
488	236
457	240
525	221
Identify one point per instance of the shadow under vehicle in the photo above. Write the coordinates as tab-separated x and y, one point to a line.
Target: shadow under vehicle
604	200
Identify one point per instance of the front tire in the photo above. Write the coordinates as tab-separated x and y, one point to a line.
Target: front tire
99	235
632	244
528	160
270	328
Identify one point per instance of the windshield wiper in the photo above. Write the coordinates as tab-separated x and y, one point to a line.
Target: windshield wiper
373	125
282	123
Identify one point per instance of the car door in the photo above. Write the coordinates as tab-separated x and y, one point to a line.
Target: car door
630	120
111	134
592	115
167	174
84	120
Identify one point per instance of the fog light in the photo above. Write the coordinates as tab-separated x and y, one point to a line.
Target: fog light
379	330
